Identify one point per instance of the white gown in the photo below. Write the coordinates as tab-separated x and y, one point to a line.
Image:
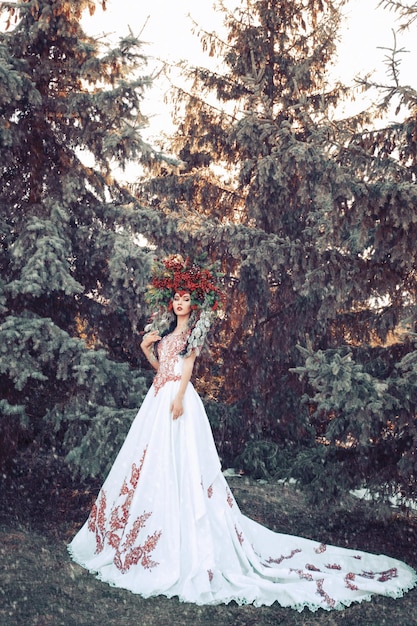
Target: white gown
165	522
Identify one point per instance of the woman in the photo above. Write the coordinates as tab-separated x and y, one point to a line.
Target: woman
165	521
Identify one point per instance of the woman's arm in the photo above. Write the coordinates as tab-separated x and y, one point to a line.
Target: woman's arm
177	408
147	347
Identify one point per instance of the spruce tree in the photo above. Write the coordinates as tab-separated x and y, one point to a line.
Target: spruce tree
313	219
254	142
366	381
72	270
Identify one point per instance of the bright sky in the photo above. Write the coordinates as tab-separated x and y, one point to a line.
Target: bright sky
167	30
165	27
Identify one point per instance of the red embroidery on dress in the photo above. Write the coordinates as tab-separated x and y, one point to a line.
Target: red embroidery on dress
92	518
348	578
303	575
325	595
168	352
210	491
239	536
97	521
119	516
282	557
389	574
126	553
210	574
322	548
132	555
383	576
333	566
230	500
312	568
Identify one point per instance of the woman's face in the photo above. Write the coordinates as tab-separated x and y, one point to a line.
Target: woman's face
181	304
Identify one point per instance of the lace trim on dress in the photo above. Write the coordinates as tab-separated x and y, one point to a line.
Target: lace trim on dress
168	352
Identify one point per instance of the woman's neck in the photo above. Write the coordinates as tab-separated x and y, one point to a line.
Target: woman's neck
181	327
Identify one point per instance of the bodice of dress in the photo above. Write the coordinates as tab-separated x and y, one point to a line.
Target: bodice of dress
170	361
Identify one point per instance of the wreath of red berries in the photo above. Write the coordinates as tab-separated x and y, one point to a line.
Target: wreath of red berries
175	275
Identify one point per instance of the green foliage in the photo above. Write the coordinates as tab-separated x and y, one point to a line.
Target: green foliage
368	420
93	431
265	459
72	269
40	258
326	474
343	387
228	428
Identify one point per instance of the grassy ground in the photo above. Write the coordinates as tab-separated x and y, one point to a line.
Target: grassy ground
40	510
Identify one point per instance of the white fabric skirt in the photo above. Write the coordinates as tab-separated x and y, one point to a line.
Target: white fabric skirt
165	522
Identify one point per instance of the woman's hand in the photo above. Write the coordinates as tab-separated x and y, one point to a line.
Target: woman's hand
177	408
150	338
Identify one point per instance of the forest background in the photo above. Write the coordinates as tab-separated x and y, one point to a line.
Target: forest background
309	211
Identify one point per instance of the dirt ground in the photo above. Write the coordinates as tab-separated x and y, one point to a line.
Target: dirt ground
41	508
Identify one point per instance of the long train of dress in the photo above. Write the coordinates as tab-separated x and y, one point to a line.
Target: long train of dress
165	522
